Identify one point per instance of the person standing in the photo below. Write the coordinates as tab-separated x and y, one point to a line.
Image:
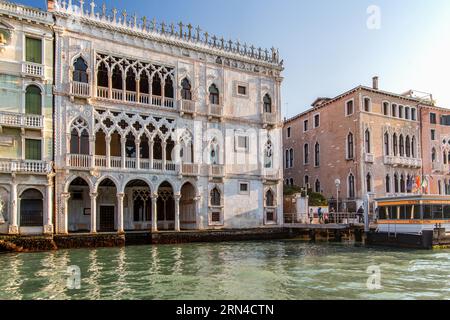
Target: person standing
320	214
360	214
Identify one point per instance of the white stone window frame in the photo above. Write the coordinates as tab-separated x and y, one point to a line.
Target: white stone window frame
244	193
212	209
314	120
346	146
414	110
41	37
389	108
236	86
41	139
306	128
401	111
346	107
363	104
238	135
273	208
25	85
304	156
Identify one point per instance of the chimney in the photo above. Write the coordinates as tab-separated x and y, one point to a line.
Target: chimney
50	5
375	83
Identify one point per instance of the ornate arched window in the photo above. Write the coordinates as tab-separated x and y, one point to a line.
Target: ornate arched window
317	154
306	153
267	104
168	88
350	147
186	89
156	85
269	198
369	182
413	147
351	186
131	80
215	198
395	144
268	154
80	71
388	184
408	146
317	186
402	146
306	181
367	141
79	137
402	184
291	158
214	152
214	97
117	78
433	155
33	100
102	76
386	144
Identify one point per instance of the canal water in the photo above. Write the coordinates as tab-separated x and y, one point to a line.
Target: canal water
248	270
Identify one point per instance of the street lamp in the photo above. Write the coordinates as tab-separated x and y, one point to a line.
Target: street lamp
337	182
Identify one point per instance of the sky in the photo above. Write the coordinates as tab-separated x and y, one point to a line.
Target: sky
328	46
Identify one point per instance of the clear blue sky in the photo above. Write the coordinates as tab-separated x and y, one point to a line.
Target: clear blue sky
326	44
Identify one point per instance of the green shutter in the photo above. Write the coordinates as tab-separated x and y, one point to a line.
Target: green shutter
33	149
33	100
34	50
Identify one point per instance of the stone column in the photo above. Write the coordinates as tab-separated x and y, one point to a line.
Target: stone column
13	226
164	157
120	228
48	217
177	198
198	204
110	84
150	153
155	212
92	150
65	200
94	212
138	154
123	151
138	90
108	151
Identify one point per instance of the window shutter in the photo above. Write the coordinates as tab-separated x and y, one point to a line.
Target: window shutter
33	50
33	149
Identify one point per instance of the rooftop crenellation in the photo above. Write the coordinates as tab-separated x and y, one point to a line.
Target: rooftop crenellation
179	31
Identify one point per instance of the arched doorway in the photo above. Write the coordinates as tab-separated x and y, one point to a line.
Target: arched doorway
188	215
79	211
166	207
31	208
107	206
138	206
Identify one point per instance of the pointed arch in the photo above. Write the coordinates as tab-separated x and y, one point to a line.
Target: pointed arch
267	102
214	96
186	88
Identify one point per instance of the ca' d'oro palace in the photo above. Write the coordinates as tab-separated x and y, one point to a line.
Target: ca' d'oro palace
113	124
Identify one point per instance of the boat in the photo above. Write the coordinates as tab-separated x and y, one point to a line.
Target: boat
416	221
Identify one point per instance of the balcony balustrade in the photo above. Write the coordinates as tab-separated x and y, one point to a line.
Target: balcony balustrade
216	171
269	118
21	120
187	107
369	158
33	69
190	169
215	110
80	89
403	161
25	166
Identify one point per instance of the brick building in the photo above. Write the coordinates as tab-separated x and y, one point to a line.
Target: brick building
375	142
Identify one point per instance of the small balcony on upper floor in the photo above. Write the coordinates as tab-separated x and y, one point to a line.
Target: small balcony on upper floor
215	111
406	162
269	119
21	120
369	157
271	175
34	70
216	171
25	166
187	107
80	89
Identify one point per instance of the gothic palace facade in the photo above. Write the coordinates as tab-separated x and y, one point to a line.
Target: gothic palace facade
156	127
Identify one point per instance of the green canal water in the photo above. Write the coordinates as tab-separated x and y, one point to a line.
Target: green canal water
248	270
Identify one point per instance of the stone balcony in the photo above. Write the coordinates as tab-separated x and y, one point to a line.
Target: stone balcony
25	166
34	70
369	158
21	120
134	97
216	171
403	162
187	107
270	175
441	168
269	119
80	89
215	111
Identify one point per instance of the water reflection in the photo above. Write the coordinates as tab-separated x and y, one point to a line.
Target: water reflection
254	270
